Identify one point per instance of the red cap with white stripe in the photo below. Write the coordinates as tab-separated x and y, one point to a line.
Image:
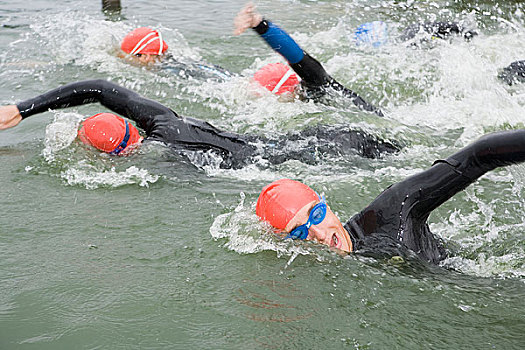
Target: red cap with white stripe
144	40
277	77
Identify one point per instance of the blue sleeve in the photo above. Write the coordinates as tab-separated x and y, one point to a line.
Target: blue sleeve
281	42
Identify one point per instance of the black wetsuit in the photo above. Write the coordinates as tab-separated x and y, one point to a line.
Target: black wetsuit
397	218
514	73
316	82
194	69
439	30
188	134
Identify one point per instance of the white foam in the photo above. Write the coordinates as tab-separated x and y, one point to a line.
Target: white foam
91	178
244	233
59	152
95	43
452	86
60	134
493	266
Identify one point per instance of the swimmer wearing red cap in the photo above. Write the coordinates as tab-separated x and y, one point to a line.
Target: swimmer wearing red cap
144	44
147	47
115	135
294	208
315	81
395	222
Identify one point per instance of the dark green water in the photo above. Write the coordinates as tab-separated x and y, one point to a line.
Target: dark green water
151	251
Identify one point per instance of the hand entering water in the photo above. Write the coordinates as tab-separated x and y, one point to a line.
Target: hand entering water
9	116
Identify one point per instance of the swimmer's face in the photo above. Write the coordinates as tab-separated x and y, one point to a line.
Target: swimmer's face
329	232
287	97
147	59
290	96
142	59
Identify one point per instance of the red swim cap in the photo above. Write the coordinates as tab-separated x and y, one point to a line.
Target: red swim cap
106	131
144	40
277	77
281	200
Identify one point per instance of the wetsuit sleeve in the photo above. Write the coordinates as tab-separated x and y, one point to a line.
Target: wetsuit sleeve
280	41
401	211
120	100
443	30
312	73
431	188
309	69
195	69
440	30
356	99
159	122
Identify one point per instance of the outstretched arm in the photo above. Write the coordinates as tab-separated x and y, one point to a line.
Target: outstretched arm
445	178
310	70
117	98
401	211
159	122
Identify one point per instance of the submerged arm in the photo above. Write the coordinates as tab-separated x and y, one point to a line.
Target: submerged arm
440	30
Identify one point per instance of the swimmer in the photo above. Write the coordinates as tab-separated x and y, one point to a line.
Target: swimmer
514	73
376	33
114	135
395	222
438	30
315	81
146	47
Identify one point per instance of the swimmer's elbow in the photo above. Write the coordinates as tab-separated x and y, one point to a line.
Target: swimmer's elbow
99	85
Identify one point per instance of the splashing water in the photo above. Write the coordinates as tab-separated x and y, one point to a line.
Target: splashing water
91	178
242	230
174	255
59	153
60	134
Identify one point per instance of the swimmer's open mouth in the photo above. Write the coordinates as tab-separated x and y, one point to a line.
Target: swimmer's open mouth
335	241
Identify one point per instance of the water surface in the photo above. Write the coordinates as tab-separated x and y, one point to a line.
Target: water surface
155	251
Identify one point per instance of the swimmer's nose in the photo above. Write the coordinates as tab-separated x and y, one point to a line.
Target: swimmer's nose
317	233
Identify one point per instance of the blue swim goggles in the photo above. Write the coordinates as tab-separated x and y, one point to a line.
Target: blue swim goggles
122	145
317	215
